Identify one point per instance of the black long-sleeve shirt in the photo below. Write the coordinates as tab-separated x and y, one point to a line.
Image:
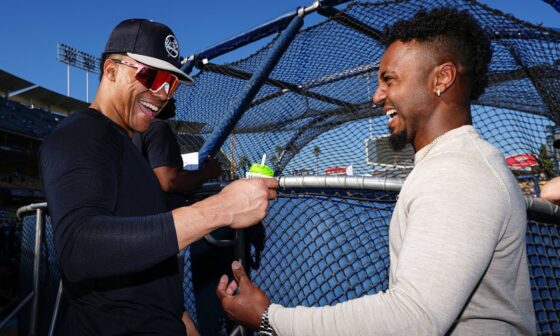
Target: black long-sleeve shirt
116	243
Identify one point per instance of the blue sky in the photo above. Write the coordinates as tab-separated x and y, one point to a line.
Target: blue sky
31	30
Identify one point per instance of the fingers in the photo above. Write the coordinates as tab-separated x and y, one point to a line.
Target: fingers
224	289
270	183
221	289
239	273
271	194
231	288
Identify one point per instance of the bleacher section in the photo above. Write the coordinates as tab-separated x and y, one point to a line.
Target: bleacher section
30	110
26	121
28	113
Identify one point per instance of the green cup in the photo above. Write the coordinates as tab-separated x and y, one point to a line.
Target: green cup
259	171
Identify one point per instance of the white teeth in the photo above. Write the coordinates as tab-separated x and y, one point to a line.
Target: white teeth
150	106
391	113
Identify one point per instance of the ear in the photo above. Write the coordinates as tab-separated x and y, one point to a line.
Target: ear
445	75
110	70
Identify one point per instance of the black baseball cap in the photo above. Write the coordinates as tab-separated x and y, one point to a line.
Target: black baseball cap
148	42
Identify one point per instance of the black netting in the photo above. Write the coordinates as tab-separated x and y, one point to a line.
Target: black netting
203	266
320	249
315	110
49	275
313	249
316	247
543	249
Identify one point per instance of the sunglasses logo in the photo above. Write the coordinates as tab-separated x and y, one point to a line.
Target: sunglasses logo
171	46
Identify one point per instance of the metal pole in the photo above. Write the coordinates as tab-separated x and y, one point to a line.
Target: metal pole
87	86
252	87
188	64
56	306
239	248
16	310
553	151
68	80
239	254
36	269
257	33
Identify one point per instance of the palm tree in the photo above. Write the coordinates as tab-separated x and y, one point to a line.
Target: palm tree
244	164
316	152
279	154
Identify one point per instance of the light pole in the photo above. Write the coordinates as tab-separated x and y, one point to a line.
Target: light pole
74	57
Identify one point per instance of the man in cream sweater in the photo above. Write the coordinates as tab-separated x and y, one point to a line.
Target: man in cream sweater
457	235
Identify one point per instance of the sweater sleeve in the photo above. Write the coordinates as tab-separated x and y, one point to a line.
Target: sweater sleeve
80	179
456	210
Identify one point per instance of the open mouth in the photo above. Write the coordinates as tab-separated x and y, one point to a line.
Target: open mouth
149	109
391	113
150	106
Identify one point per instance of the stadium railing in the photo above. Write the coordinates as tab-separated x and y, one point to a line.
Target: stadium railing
324	241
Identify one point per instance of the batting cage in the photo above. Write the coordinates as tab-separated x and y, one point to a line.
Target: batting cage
324	241
314	110
310	110
305	100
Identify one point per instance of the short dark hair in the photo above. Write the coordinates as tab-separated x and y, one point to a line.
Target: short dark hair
456	33
104	57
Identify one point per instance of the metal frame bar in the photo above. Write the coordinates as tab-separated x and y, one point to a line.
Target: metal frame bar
341	182
255	34
56	307
350	22
39	208
371	183
252	87
40	223
285	86
16	309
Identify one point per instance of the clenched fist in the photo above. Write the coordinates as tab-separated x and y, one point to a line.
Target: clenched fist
246	201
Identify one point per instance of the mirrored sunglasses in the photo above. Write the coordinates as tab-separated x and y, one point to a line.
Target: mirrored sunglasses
153	79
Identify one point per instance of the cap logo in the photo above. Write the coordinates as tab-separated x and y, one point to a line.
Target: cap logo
171	46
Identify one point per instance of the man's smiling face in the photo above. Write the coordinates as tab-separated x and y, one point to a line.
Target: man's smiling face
404	91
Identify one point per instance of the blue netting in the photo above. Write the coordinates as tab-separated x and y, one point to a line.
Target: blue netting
319	250
543	249
313	249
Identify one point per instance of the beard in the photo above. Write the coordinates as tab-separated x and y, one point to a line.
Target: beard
398	141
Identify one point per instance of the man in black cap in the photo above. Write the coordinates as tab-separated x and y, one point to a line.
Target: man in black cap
115	240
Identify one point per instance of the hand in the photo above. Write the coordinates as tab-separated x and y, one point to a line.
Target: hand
246	201
239	205
211	168
248	305
189	325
